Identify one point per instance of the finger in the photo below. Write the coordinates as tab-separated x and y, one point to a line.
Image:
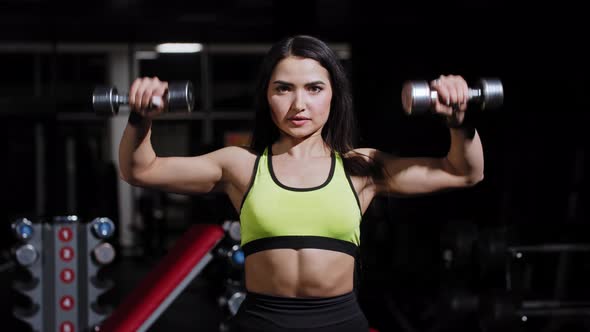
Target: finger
444	87
458	89
146	98
443	92
453	93
441	106
157	103
140	93
465	89
434	83
132	91
462	90
159	89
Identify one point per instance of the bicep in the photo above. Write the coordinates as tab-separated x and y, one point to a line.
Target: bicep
417	175
198	174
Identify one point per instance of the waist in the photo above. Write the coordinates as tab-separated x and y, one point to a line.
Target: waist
300	302
268	311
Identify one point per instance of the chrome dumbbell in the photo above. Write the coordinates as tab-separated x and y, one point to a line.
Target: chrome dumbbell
106	99
417	98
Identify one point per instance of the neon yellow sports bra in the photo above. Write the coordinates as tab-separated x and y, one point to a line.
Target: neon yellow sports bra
274	215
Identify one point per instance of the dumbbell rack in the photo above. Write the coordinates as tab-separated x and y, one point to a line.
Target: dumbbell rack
63	258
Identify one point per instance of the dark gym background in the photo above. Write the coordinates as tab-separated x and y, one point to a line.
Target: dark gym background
536	146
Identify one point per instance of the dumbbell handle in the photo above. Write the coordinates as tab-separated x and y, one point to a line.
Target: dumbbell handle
473	94
124	100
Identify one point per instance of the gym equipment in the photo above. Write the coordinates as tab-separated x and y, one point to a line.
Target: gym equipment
235	255
23	229
156	291
106	99
462	244
63	257
103	228
103	253
417	98
500	310
26	255
495	249
230	301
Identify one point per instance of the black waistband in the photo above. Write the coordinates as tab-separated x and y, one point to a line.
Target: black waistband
262	312
304	301
300	242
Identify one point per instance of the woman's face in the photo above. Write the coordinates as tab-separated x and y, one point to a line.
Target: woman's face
299	94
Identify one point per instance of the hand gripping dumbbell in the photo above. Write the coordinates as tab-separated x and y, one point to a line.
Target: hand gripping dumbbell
106	99
417	98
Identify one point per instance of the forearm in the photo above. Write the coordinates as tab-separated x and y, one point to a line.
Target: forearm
466	153
135	149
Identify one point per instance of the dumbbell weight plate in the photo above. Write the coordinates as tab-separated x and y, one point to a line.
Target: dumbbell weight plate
104	101
492	92
180	96
416	97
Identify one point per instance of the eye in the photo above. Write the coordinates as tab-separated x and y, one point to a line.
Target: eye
315	88
282	88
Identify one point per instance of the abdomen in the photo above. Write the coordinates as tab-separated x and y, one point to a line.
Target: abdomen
300	273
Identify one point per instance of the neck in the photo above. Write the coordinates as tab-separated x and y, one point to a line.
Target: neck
301	148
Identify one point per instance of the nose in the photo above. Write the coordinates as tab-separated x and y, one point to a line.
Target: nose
299	101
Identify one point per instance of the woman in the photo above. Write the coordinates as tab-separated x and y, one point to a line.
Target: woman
301	188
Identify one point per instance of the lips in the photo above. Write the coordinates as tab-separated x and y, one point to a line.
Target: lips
298	120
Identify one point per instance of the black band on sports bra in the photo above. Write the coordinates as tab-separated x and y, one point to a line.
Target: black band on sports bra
300	242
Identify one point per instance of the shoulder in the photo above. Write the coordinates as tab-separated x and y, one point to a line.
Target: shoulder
363	162
371	155
234	156
239	150
236	163
365	153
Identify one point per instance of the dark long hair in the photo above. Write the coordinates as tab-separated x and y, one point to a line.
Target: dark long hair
339	132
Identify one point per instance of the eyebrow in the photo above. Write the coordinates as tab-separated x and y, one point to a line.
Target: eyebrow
291	84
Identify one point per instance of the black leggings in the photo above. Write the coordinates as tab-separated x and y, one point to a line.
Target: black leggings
267	313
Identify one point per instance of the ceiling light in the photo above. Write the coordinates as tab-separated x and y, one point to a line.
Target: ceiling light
179	48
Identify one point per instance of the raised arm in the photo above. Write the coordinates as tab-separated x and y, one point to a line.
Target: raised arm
463	165
140	166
